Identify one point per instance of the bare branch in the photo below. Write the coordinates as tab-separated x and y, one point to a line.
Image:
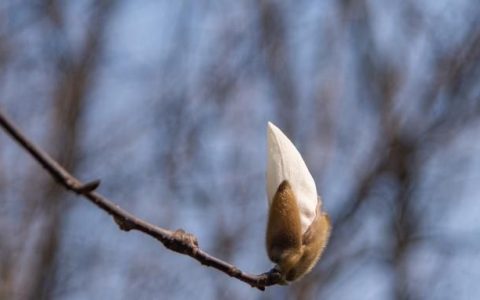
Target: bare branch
178	241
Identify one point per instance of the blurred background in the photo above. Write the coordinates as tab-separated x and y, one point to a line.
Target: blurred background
167	103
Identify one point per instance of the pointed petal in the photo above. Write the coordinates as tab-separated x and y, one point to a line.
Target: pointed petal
286	163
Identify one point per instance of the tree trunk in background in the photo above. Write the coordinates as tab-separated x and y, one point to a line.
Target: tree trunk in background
46	219
278	64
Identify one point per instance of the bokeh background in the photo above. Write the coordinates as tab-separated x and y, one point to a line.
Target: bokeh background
167	103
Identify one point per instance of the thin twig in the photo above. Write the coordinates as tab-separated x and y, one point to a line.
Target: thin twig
178	241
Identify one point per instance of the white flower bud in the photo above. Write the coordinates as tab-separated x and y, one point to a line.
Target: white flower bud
286	163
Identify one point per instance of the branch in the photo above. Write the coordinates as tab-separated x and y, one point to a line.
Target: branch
178	241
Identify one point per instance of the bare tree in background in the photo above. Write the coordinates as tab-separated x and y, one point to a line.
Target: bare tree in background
44	213
167	104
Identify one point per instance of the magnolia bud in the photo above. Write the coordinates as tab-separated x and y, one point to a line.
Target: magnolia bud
297	229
